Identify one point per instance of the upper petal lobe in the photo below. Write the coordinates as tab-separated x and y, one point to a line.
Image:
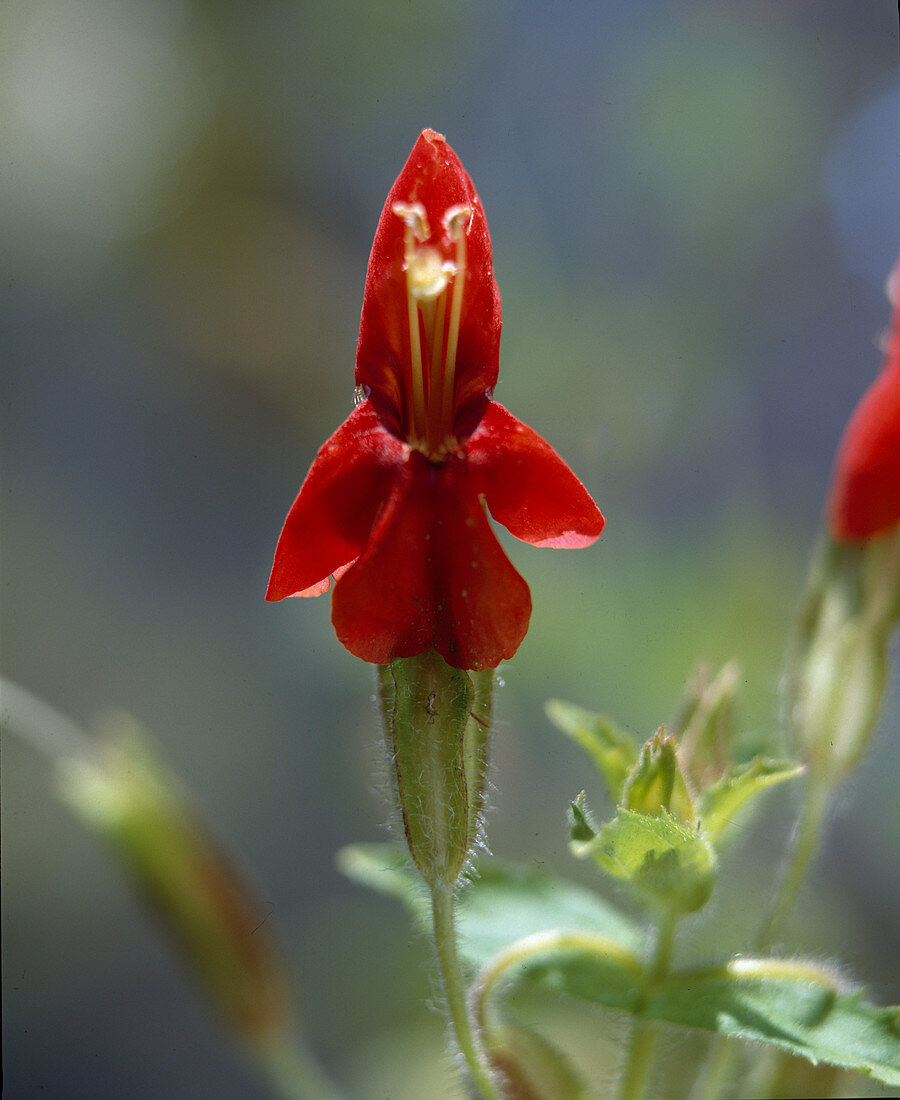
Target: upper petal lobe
527	486
330	520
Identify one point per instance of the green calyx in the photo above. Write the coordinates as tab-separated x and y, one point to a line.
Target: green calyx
437	723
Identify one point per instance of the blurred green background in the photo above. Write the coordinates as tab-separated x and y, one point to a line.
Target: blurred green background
693	208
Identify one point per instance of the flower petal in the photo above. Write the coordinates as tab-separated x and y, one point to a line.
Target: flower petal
432	574
330	520
865	494
527	486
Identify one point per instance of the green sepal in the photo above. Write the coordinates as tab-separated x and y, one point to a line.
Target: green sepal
718	804
656	781
668	865
837	660
437	723
581	827
614	754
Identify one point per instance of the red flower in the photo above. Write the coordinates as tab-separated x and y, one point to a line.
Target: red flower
393	505
865	491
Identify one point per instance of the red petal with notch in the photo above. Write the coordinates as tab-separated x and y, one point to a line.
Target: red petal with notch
527	486
432	573
332	517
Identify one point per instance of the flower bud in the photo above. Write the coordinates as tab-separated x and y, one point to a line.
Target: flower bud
127	795
437	721
656	782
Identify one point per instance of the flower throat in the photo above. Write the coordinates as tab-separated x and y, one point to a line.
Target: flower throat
434	291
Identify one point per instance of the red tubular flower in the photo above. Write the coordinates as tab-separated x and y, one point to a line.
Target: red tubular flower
865	492
393	505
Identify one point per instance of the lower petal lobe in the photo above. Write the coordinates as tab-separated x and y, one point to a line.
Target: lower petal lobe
432	574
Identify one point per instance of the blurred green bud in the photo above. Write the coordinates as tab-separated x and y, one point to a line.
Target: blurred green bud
437	720
837	661
126	795
656	782
704	722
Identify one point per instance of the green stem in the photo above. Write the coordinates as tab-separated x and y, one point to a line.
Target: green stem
724	1054
644	1032
442	908
803	848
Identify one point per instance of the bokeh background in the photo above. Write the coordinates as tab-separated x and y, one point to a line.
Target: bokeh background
693	207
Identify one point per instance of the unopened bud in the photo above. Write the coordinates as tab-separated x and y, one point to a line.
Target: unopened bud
656	781
126	794
836	667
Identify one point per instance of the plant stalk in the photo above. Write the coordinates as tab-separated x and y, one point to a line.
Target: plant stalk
442	908
644	1033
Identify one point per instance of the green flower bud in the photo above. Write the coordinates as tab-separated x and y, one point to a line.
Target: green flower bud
125	794
656	781
836	666
437	721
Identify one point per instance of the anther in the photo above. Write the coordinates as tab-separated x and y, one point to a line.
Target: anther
413	216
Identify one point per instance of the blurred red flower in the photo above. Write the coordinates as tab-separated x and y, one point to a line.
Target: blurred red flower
865	491
393	505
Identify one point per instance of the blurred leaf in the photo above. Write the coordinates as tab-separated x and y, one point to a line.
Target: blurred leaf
719	803
501	905
613	753
671	866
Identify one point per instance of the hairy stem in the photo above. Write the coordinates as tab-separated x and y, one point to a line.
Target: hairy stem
644	1032
442	908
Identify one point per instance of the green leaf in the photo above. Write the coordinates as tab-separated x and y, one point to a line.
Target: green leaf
613	753
798	1006
501	905
719	803
669	865
794	1006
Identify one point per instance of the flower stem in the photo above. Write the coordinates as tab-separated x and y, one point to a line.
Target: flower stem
442	908
723	1056
804	845
644	1032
